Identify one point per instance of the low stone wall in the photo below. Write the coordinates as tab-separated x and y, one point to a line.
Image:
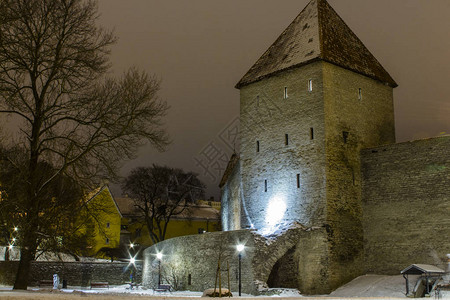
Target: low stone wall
76	273
191	262
406	204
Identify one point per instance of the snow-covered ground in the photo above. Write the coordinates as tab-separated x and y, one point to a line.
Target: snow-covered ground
368	286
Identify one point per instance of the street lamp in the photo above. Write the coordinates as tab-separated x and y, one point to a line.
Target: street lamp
240	248
159	257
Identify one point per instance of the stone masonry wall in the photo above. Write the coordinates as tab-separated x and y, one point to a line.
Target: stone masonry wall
277	146
359	113
76	273
231	201
406	204
193	260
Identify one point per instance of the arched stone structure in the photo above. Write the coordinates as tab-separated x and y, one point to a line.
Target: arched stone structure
193	259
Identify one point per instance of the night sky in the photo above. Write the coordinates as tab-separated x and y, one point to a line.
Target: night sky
201	48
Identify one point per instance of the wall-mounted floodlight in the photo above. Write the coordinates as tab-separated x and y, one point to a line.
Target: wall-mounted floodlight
159	255
275	211
16	229
131	245
132	260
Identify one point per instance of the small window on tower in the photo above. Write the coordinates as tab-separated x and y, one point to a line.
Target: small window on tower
107	241
298	181
257	146
285	93
345	136
107	225
310	85
286	139
359	94
265	185
311	133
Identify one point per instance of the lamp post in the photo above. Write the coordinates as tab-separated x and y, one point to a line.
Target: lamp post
159	256
240	248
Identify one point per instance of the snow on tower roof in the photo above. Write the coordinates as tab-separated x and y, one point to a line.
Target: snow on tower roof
317	33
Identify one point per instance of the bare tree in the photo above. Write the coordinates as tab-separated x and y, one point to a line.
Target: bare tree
53	61
161	193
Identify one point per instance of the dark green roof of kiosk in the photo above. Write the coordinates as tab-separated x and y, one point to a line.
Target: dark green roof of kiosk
317	33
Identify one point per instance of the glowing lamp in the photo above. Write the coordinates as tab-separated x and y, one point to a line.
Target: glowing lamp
131	245
240	248
15	228
10	247
132	260
159	257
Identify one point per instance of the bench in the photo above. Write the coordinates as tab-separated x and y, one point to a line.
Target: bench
163	288
45	283
99	285
133	285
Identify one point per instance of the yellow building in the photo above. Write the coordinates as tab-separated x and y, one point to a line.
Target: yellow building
196	219
104	221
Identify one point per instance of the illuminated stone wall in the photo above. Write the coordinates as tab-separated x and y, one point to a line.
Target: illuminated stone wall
231	201
359	113
406	204
269	176
316	135
193	260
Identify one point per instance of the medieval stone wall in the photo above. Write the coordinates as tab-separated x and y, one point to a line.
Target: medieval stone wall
406	204
231	201
359	113
192	261
282	149
193	267
76	273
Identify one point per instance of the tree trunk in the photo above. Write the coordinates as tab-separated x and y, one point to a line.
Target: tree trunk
28	246
7	254
26	256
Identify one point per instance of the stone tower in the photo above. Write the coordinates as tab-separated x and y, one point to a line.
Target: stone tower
308	106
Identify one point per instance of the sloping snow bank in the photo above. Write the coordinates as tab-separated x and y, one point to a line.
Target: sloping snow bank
373	286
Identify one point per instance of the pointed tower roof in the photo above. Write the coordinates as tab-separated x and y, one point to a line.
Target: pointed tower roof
317	33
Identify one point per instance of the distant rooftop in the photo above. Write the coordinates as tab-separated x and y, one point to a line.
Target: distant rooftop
128	209
317	33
